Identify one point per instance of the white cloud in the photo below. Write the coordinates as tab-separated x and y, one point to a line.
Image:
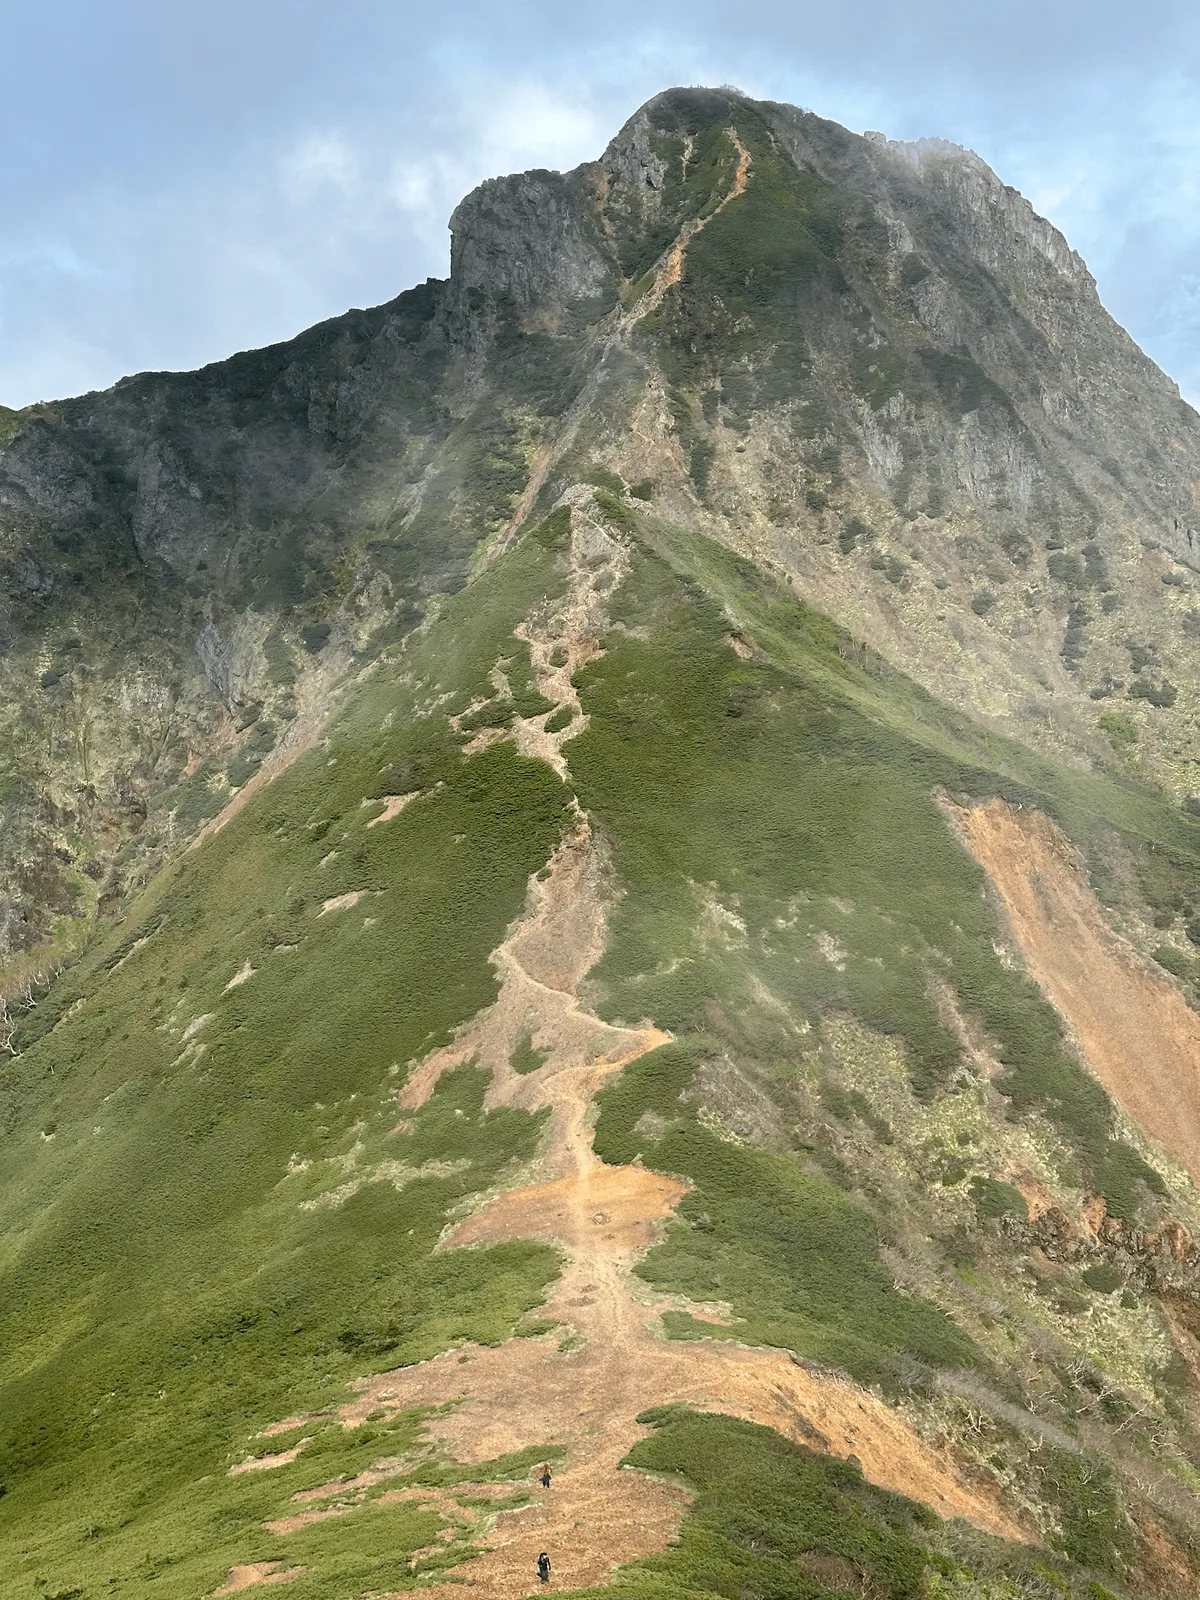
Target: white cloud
337	191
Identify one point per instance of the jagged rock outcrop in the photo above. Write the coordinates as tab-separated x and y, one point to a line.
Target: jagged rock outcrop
533	238
878	371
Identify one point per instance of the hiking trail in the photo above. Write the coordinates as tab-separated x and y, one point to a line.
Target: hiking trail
580	1387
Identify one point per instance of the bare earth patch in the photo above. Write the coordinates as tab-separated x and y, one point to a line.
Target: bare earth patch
393	805
341	902
257	1572
267	1463
1135	1030
286	1424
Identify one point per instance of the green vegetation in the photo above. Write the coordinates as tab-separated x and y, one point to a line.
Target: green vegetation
771	253
525	1058
11	423
1121	729
762	1507
699	114
1174	961
797	1260
1162	693
995	1199
222	1225
1095	1533
800	795
616	510
1102	1277
249	1229
601	478
772	1518
216	1215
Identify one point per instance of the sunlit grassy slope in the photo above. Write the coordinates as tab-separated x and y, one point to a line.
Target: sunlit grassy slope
210	1222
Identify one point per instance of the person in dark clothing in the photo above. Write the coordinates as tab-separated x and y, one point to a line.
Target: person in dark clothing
544	1567
545	1477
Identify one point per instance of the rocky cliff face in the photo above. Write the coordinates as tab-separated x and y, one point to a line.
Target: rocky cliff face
876	368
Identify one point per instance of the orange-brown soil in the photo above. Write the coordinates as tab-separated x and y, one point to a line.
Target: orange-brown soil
286	1424
669	270
265	1463
1166	1565
1134	1028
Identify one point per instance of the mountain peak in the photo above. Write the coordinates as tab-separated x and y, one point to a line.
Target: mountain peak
599	912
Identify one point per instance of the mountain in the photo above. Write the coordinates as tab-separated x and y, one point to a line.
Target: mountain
601	882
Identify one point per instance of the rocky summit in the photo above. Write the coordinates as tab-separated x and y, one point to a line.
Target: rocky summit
599	916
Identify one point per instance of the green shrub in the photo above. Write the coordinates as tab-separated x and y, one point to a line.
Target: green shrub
203	1299
616	510
601	478
766	1513
1174	960
1163	693
1121	729
853	533
795	1258
1104	1278
1067	569
554	531
772	1518
995	1199
700	464
525	1058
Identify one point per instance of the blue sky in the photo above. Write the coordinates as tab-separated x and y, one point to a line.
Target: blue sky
182	181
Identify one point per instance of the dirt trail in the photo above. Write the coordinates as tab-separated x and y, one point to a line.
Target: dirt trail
581	1387
668	270
1135	1030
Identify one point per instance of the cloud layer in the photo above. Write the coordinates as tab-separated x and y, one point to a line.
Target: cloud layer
181	182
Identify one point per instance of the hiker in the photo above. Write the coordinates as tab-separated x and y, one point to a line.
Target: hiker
544	1567
545	1477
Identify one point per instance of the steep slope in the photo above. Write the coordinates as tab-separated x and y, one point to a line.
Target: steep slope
600	1045
252	1134
869	364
